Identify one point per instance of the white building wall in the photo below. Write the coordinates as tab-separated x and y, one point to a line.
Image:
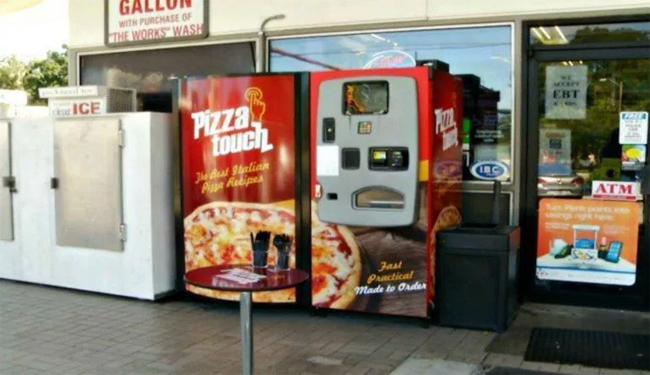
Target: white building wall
228	17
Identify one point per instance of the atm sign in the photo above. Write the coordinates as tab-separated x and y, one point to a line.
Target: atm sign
615	190
489	170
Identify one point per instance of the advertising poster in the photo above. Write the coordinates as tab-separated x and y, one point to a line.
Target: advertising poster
588	241
633	128
555	146
633	157
389	270
566	92
238	171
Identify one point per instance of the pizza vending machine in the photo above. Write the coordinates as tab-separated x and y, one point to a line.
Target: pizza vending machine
386	171
240	168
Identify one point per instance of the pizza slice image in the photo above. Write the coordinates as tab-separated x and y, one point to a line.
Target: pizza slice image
335	264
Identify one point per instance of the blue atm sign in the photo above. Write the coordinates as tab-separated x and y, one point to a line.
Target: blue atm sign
489	170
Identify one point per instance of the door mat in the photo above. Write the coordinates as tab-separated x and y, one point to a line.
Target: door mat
589	348
515	371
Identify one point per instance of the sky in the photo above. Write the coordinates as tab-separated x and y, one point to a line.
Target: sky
30	33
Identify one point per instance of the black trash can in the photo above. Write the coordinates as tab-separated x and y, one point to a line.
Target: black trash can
477	276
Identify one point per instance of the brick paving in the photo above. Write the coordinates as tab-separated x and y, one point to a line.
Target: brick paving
47	330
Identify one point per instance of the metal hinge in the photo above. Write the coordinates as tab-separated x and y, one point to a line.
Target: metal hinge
645	180
123	232
121	138
54	183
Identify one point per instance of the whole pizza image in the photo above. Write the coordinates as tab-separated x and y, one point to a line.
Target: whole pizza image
352	186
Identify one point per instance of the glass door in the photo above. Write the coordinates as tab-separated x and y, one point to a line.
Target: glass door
587	137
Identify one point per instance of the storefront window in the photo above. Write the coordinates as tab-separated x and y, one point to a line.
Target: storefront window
150	71
590	34
580	130
481	57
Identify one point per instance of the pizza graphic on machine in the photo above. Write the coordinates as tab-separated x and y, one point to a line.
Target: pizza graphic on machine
367	151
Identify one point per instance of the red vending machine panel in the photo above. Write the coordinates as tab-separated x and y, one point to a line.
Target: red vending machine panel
240	170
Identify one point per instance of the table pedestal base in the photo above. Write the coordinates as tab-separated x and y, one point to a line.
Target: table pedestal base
246	321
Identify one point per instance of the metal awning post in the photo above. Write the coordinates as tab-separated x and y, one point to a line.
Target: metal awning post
260	53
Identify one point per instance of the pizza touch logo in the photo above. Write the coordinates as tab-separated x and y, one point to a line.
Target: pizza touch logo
235	130
446	124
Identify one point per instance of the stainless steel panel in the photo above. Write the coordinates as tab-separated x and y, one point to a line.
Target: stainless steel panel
7	187
88	189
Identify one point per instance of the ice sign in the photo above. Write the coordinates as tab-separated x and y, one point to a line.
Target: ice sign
633	128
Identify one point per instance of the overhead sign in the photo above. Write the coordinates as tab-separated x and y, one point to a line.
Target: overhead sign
633	128
615	190
390	59
68	92
566	92
146	21
489	170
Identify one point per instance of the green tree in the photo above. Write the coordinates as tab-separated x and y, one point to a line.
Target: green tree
12	73
49	72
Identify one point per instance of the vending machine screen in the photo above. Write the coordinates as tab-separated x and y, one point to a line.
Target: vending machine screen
365	98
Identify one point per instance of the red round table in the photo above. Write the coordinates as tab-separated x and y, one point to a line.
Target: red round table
246	280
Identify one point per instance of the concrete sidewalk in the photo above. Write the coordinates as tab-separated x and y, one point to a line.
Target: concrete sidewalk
47	330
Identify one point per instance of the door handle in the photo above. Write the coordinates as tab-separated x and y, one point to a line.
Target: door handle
645	180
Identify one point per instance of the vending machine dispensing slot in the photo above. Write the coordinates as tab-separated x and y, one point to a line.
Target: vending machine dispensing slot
367	151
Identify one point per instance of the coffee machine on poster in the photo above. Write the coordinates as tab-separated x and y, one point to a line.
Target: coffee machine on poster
386	171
